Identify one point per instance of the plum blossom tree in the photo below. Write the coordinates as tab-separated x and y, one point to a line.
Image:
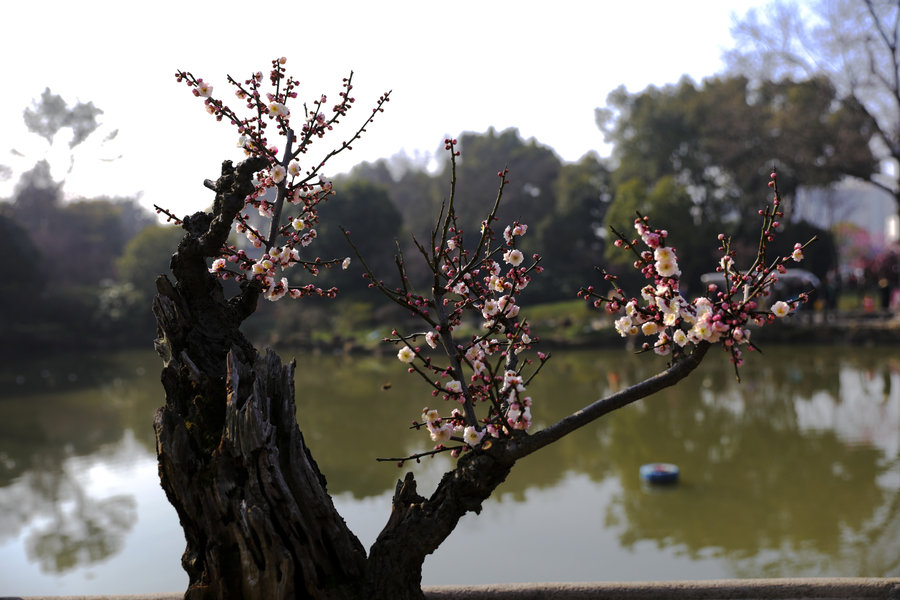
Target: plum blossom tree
255	509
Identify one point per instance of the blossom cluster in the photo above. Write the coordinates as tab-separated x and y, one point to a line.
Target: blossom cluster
442	430
285	194
484	374
723	316
473	316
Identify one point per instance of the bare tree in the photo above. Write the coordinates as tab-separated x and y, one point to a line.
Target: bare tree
855	43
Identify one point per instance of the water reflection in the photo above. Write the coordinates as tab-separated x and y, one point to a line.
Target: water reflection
793	472
781	475
65	415
81	531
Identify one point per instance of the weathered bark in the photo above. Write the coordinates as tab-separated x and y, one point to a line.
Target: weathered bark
253	505
418	526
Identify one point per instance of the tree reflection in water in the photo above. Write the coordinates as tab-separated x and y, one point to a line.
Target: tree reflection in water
74	412
792	472
781	474
81	531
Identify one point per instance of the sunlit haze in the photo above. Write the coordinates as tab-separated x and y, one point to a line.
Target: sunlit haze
542	67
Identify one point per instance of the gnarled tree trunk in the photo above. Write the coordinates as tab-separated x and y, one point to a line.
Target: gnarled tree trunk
257	517
232	460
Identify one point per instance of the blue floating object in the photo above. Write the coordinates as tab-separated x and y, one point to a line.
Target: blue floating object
659	473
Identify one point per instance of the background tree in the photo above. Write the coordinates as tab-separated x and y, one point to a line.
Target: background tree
36	203
95	231
126	304
703	135
716	139
669	203
365	209
414	191
23	285
853	44
568	201
58	122
572	237
531	192
89	234
48	115
147	252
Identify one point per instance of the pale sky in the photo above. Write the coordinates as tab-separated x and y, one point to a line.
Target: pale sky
542	67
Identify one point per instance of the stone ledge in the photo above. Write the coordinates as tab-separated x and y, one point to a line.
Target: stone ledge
746	589
814	588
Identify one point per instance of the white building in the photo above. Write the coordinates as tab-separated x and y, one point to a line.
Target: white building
851	201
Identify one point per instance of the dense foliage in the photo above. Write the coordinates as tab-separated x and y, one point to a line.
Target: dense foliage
689	153
853	48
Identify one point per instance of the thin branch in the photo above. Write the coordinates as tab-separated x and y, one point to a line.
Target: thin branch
281	193
419	455
679	369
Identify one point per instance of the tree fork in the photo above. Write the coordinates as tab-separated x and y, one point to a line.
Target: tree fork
418	526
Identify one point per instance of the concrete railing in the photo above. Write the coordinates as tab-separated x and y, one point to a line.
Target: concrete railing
746	589
826	588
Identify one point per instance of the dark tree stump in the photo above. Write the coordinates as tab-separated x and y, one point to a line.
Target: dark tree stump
257	518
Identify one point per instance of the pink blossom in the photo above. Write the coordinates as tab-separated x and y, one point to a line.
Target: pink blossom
472	436
277	290
490	309
651	239
513	257
277	109
460	288
406	354
649	328
625	326
203	88
666	264
431	339
441	434
507	306
781	309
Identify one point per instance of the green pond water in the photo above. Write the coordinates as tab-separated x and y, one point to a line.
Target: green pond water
793	472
